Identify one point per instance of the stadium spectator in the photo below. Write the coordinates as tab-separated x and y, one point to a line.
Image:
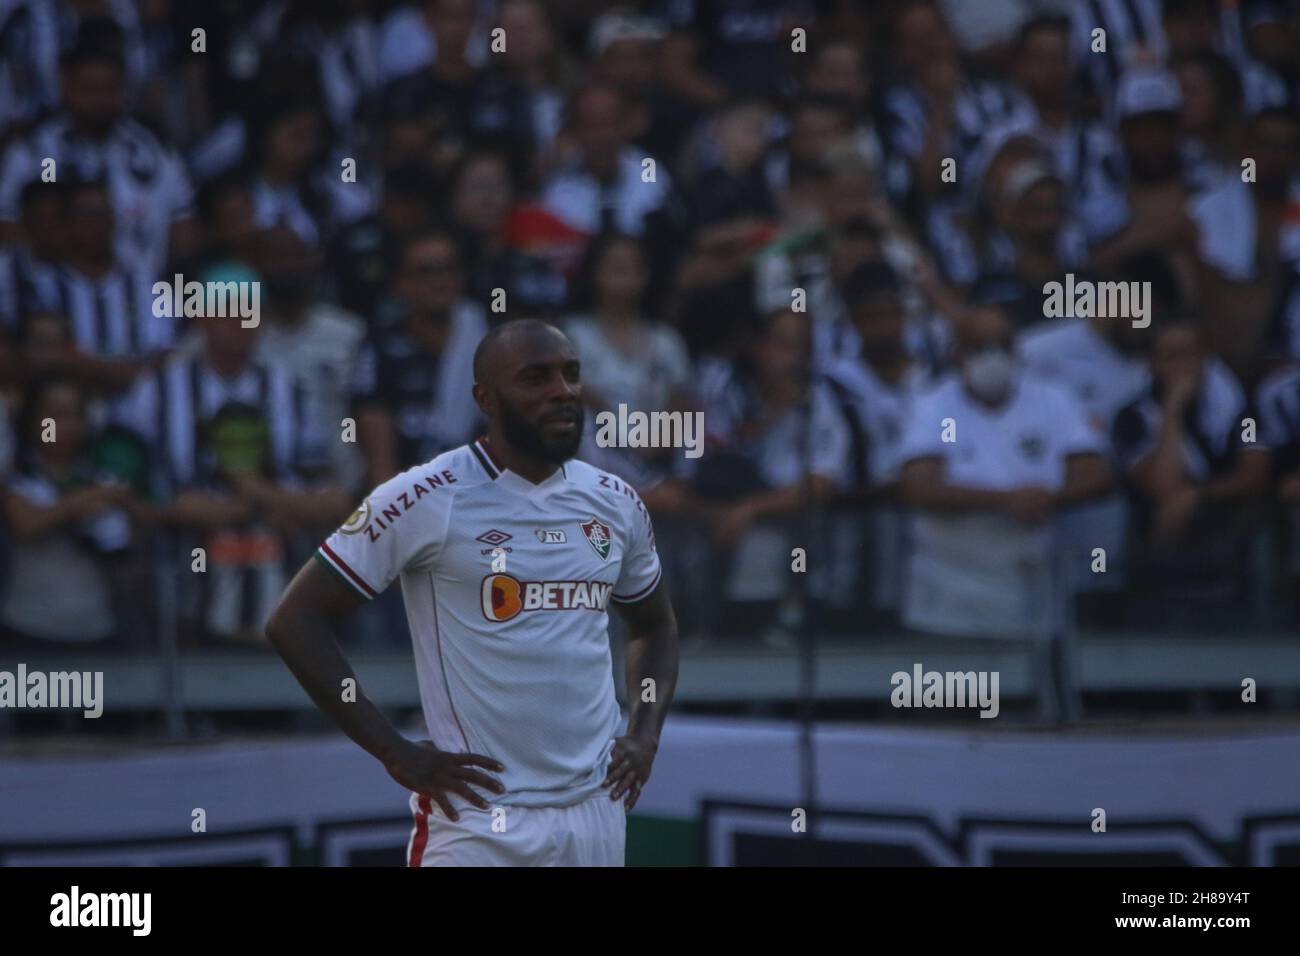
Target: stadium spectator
625	51
107	298
775	440
28	274
1101	360
1133	33
317	342
604	184
735	185
1195	469
935	111
292	185
1191	27
717	50
232	445
70	522
837	72
540	70
777	178
627	358
874	391
476	100
1210	117
1271	53
362	257
796	169
91	137
482	199
1029	243
414	35
341	39
797	265
1250	242
411	390
228	227
989	456
1085	153
1279	430
713	303
37	33
101	330
1152	213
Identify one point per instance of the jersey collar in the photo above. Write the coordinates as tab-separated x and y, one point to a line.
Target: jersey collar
498	472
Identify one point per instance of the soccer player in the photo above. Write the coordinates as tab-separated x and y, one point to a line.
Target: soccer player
509	551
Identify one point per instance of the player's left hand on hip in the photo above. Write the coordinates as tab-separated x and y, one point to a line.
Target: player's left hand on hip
629	768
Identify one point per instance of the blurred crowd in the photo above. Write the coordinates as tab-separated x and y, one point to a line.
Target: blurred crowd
828	225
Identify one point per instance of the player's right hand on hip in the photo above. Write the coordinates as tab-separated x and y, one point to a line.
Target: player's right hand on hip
435	773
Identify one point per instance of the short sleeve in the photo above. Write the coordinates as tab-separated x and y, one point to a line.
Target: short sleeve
398	527
641	570
922	433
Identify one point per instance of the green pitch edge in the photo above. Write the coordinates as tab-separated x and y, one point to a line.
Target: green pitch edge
660	841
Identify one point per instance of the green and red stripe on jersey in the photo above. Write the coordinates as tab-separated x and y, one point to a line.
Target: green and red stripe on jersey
328	557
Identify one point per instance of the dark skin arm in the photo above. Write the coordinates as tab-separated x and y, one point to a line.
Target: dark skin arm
291	509
651	654
303	629
1087	476
864	496
28	520
923	485
195	508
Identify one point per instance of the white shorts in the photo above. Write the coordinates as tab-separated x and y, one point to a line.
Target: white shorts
591	833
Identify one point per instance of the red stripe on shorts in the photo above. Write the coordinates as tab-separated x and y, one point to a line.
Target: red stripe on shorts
421	832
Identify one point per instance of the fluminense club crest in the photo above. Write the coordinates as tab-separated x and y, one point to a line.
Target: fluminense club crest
597	535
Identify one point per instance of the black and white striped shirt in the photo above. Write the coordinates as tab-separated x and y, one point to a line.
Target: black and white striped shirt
1129	25
112	316
176	407
147	182
978	107
27	285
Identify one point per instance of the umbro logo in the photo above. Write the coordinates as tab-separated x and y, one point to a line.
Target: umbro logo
494	537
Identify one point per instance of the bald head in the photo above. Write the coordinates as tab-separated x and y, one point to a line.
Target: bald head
513	341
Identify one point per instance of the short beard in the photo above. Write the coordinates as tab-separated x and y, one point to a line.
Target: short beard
526	437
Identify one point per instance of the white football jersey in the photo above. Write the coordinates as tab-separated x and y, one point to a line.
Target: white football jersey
506	585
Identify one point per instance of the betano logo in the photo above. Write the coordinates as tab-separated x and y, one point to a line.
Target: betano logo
505	597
